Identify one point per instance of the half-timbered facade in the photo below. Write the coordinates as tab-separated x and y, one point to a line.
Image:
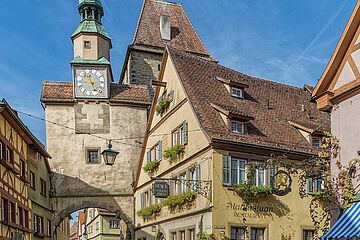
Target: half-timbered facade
15	142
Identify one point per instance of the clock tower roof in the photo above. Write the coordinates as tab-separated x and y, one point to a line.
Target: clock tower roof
91	26
90	2
79	60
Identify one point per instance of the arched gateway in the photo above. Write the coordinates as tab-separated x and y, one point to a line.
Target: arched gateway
82	116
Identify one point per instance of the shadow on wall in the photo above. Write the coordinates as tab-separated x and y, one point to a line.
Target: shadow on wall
75	195
270	206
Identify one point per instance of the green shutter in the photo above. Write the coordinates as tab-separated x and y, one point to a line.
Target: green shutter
226	170
160	147
185	137
148	156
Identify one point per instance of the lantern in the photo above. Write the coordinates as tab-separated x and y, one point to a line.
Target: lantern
109	155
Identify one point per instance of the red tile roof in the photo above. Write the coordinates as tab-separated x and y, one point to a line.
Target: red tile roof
183	34
271	105
63	92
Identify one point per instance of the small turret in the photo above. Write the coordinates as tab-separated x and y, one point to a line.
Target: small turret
91	41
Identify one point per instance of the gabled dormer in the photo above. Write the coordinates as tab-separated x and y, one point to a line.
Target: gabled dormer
236	121
313	136
235	89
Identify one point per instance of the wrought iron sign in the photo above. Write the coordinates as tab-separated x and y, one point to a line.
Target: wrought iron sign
201	187
281	183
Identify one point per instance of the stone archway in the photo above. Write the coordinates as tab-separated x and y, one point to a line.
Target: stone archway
122	206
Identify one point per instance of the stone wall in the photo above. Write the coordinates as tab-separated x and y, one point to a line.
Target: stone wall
144	67
77	184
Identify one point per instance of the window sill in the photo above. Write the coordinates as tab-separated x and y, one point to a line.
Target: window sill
14	225
10	167
42	235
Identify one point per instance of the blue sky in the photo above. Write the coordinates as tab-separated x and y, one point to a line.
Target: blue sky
280	40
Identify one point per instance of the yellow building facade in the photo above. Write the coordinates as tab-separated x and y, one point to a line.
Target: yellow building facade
200	141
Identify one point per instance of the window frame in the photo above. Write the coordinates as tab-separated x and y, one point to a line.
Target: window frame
9	155
240	90
12	213
32	180
179	135
242	124
114	226
22	168
257	229
157	150
237	228
228	169
20	216
194	176
304	235
88	150
182	182
2	150
319	139
238	170
43	187
5	210
87	44
317	184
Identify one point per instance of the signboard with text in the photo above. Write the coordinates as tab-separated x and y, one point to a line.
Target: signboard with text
161	189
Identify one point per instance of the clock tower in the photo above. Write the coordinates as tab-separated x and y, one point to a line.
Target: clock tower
91	64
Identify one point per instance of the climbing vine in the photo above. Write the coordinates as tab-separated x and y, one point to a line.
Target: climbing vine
335	189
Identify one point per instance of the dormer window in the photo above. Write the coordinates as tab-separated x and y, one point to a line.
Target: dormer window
165	27
237	92
316	142
237	127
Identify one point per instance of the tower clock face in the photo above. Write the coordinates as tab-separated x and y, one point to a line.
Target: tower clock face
90	83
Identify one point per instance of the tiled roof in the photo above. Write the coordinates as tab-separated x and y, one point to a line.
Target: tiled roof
183	34
271	105
63	92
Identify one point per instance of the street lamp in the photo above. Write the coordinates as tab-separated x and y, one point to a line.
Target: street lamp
109	155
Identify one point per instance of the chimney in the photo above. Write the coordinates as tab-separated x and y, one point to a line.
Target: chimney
165	27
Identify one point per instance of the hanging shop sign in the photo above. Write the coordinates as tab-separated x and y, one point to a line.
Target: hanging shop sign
281	183
161	189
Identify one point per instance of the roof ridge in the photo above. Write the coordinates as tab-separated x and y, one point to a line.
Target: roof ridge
201	42
233	70
138	23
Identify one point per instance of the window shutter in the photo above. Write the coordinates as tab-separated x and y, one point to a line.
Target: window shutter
226	170
148	156
142	200
160	147
185	141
